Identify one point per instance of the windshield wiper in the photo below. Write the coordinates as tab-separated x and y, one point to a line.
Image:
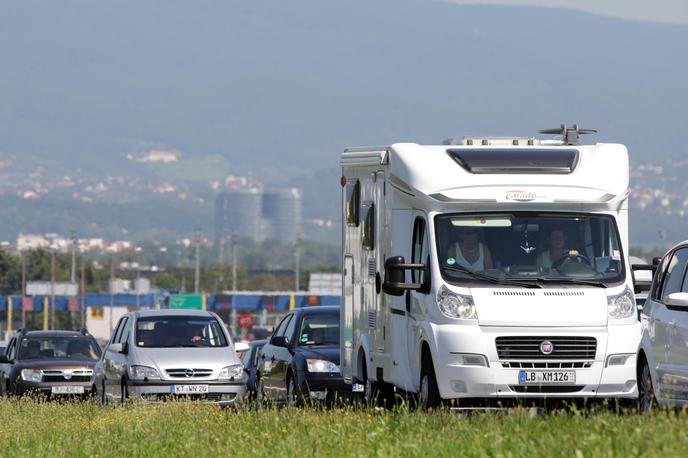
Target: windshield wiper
490	278
571	281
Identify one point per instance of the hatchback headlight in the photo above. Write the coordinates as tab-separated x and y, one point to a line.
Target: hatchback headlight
233	371
143	372
456	305
622	305
32	375
321	365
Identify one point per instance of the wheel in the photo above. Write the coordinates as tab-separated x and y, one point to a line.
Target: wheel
260	395
294	399
125	392
103	395
646	393
429	393
369	389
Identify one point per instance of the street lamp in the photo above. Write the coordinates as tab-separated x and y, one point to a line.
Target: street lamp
53	250
138	274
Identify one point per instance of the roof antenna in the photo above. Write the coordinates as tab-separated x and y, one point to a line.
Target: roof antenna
569	134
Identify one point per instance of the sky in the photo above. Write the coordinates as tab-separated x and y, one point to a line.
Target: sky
668	11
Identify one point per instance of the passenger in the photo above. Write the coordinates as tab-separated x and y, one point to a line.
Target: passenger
557	242
79	349
469	252
33	350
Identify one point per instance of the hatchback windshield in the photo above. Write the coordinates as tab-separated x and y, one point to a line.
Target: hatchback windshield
529	247
179	331
59	348
320	329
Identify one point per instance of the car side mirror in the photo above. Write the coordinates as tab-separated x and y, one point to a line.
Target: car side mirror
642	277
679	300
280	341
116	348
4	359
395	276
241	347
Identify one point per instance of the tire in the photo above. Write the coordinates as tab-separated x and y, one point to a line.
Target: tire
369	388
260	395
646	393
429	392
103	395
124	393
294	399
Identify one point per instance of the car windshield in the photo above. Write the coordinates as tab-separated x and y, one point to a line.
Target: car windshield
320	329
81	348
529	248
179	331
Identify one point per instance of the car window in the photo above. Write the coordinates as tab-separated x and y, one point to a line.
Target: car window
79	348
320	329
118	330
256	354
12	350
282	326
659	276
179	331
419	249
289	332
126	331
675	273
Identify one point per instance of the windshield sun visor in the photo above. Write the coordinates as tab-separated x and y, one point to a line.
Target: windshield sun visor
516	161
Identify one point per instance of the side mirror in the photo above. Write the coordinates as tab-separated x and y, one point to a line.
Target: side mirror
241	347
642	277
679	300
280	341
656	260
395	276
116	348
4	359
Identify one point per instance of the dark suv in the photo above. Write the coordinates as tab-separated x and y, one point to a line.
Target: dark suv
49	362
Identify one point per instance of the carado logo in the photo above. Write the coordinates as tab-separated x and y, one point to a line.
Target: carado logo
520	196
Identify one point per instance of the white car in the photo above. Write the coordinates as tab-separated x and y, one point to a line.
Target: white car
663	354
160	354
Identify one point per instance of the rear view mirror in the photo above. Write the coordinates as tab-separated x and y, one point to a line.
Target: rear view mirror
240	347
679	300
4	359
280	341
395	276
642	277
116	348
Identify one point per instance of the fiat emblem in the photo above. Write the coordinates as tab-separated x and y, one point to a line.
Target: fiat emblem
546	347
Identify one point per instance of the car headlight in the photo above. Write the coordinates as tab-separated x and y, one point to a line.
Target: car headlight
233	371
32	375
622	305
142	372
456	305
321	365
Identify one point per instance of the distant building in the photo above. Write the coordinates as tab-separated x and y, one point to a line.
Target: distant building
253	212
325	283
31	242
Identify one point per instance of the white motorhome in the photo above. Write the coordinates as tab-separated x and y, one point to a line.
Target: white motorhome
488	268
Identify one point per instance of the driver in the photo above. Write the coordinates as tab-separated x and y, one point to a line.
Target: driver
469	252
557	242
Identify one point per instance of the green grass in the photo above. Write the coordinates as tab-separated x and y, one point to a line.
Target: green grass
32	428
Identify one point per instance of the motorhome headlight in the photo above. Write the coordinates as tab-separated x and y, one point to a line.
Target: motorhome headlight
31	375
456	305
233	371
321	365
621	305
142	373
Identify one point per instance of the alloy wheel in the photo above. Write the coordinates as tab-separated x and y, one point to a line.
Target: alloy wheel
646	394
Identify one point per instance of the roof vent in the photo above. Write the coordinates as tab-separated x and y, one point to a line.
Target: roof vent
569	135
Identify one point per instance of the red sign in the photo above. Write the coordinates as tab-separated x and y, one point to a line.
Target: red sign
27	304
73	307
246	320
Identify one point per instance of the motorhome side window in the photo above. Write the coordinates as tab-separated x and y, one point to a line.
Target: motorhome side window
529	246
368	210
353	202
419	251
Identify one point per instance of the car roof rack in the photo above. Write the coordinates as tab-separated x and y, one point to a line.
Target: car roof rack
569	135
83	330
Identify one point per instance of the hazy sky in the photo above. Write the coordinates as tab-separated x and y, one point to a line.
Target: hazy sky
671	11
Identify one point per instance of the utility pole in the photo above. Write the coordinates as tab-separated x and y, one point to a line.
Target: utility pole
23	280
112	289
234	261
73	271
52	287
82	290
297	255
138	275
197	268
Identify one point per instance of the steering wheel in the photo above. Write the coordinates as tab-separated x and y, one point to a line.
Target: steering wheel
571	257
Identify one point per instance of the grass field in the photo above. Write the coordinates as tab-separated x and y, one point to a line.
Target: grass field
32	428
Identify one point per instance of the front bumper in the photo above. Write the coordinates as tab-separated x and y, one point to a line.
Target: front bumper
498	380
324	385
219	392
22	387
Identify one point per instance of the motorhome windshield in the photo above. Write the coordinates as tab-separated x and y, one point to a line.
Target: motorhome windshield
542	248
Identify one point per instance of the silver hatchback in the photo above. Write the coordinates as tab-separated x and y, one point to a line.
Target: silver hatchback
161	354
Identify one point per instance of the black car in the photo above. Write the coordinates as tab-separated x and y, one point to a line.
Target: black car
301	360
49	362
250	360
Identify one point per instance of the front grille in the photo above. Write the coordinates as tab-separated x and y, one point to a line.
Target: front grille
528	347
547	365
189	373
67	375
546	388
